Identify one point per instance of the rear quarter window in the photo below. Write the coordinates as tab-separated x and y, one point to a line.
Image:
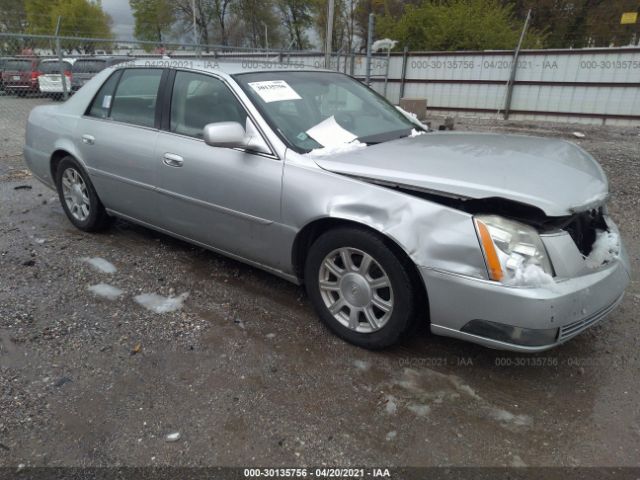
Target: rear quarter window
101	104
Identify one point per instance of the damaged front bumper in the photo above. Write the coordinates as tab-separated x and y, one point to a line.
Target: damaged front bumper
523	319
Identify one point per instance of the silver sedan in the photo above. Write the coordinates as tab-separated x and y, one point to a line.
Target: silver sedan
495	239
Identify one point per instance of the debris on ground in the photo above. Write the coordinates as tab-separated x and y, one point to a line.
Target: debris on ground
100	264
172	437
579	135
137	348
159	304
22	187
105	290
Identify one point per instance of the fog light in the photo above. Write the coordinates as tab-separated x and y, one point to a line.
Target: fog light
529	337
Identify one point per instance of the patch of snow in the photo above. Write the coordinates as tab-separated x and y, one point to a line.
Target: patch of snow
173	437
100	264
579	134
419	409
530	275
391	435
383	44
391	407
271	335
361	364
412	117
504	416
416	133
40	241
605	249
159	304
106	291
342	148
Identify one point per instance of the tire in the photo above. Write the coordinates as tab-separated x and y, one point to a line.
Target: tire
360	320
83	207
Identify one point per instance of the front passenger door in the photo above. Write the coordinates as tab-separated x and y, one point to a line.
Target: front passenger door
226	198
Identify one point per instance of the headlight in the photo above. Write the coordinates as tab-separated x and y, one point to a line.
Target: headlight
513	251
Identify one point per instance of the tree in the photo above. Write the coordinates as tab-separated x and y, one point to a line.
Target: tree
79	18
13	17
343	22
296	15
39	15
580	23
153	19
254	15
456	25
221	13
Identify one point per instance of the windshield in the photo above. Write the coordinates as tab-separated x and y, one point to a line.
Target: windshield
53	67
312	109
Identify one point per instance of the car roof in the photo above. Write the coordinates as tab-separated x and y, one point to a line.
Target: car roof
93	58
216	65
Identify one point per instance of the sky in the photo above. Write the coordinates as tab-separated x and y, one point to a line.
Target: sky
122	18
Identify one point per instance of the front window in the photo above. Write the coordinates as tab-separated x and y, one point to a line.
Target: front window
54	67
311	109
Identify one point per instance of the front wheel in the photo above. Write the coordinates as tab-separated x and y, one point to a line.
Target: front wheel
361	289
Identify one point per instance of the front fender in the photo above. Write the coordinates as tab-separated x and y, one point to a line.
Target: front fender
432	235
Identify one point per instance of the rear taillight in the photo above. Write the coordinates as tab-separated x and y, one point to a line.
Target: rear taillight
68	74
34	75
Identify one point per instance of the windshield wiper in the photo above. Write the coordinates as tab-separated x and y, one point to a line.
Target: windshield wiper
384	137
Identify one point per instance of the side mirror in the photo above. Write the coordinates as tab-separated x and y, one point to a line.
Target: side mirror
224	134
233	135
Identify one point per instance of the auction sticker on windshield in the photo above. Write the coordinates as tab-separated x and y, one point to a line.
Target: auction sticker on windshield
274	91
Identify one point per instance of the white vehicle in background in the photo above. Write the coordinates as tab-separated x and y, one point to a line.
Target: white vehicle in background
50	79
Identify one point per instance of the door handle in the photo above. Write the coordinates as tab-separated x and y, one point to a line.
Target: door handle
173	160
88	139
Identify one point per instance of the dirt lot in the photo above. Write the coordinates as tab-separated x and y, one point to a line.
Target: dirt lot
248	376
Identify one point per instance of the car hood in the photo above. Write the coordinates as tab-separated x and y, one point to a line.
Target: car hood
554	175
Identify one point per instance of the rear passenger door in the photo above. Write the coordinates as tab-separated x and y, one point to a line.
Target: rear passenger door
117	138
223	197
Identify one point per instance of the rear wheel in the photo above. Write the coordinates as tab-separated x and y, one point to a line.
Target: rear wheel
78	197
361	289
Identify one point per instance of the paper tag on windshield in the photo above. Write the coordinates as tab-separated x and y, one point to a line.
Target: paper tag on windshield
329	134
106	101
274	91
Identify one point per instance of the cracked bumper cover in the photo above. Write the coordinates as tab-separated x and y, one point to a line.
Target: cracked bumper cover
567	309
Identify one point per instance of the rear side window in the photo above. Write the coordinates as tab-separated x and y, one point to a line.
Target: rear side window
102	101
136	96
89	66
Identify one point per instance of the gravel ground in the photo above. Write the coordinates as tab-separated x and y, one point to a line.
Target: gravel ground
246	374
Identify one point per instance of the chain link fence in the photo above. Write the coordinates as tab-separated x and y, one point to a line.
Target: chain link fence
47	69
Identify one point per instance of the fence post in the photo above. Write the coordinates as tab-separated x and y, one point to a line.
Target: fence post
386	73
405	54
369	43
514	67
63	79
